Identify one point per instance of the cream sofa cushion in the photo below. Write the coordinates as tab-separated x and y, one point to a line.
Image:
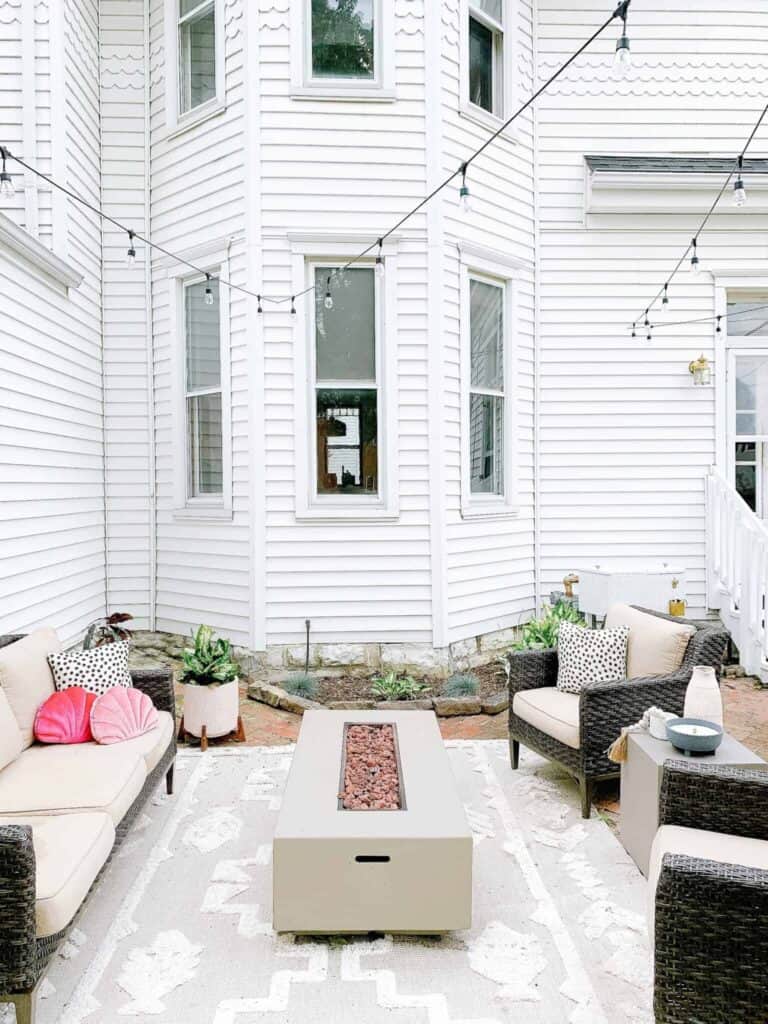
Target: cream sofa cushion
695	842
11	742
26	677
150	745
70	850
656	646
553	711
76	777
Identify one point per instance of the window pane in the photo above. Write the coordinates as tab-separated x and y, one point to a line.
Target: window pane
185	6
480	65
197	55
202	327
486	444
493	8
342	38
741	322
347	442
345	336
745	451
486	325
752	393
745	485
204	439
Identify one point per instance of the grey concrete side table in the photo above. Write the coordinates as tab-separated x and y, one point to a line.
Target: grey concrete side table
641	784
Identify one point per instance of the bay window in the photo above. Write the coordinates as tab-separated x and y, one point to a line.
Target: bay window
203	390
486	55
196	53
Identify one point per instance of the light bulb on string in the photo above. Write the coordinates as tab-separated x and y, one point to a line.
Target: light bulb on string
646	322
665	298
718	329
739	191
328	303
465	199
258	306
6	181
131	254
634	330
293	305
695	262
380	260
208	293
622	58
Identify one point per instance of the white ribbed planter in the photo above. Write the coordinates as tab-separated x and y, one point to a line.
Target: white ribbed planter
215	707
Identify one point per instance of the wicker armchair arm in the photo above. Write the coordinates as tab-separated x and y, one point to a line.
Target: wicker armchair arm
157	683
605	708
18	954
715	798
530	670
10	638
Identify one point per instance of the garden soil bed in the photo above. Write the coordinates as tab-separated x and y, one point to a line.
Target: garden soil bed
491	679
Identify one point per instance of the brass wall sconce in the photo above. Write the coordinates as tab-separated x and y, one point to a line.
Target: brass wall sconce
701	371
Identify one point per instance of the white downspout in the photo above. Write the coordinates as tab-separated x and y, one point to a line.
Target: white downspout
151	454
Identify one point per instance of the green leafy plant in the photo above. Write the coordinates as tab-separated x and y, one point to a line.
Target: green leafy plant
542	633
300	684
394	687
210	661
461	684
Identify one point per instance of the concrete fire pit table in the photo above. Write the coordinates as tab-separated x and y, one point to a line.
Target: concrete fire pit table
371	870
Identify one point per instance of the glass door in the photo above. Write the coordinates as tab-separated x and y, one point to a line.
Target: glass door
747	332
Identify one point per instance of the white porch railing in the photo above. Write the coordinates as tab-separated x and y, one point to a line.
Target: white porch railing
737	571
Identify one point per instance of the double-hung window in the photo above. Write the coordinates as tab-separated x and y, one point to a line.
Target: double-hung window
343	39
487	412
196	34
346	386
486	55
203	390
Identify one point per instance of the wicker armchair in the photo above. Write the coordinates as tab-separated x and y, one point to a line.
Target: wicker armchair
711	917
605	707
23	956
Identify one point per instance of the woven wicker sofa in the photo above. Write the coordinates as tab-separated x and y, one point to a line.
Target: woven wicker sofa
708	879
63	811
603	708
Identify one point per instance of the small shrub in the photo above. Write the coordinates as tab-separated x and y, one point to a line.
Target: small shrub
301	685
462	684
542	633
394	687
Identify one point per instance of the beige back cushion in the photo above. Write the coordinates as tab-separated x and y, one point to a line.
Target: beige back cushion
11	744
656	646
26	678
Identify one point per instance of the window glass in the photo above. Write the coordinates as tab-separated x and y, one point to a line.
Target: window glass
345	336
197	59
347	441
486	315
343	38
202	327
752	395
480	65
205	444
744	319
486	444
185	6
493	8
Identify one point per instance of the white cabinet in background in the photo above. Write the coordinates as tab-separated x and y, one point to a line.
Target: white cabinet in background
650	586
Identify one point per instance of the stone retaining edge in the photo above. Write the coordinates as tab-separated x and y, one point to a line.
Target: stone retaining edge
444	707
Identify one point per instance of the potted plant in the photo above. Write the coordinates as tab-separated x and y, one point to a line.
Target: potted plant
211	696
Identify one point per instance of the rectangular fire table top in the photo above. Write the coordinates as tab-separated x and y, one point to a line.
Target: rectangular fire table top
310	807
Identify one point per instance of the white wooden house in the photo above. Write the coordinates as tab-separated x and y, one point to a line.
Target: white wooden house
419	466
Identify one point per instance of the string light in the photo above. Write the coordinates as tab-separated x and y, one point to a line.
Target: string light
208	293
718	329
622	58
258	307
380	260
695	262
634	331
647	322
131	256
465	199
6	181
328	297
293	305
739	192
665	300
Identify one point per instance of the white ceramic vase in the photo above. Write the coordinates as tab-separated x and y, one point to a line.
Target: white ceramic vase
215	707
702	698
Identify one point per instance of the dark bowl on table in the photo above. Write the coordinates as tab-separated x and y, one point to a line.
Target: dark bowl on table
694	735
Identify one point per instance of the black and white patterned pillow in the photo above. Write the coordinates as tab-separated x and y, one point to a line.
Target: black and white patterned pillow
585	655
96	670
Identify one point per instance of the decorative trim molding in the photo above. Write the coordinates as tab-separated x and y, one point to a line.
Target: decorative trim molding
667	192
34	253
702	77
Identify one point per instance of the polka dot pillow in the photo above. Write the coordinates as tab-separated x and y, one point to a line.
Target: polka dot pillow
96	670
590	655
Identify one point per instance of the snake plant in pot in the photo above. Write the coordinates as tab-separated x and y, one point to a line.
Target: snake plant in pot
210	677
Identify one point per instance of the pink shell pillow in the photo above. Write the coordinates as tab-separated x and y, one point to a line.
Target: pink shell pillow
122	713
65	717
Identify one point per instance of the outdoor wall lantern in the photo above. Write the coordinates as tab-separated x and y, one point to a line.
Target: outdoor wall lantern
701	371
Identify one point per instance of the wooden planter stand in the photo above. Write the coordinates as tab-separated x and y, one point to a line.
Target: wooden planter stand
237	734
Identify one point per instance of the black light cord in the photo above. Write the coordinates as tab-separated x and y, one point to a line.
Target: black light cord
620	12
709	319
737	164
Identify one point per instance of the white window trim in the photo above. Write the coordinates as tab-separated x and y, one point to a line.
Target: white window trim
176	122
494	506
308	252
380	89
470	110
36	257
209	506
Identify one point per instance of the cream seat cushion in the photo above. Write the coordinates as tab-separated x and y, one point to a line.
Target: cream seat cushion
70	850
11	742
656	646
553	711
76	777
694	842
151	745
26	677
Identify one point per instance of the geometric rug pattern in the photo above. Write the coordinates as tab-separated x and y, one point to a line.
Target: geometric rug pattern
180	929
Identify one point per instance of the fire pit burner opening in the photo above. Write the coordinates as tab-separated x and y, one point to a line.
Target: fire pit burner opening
370	769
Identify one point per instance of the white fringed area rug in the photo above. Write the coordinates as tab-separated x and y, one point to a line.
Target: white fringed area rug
179	930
